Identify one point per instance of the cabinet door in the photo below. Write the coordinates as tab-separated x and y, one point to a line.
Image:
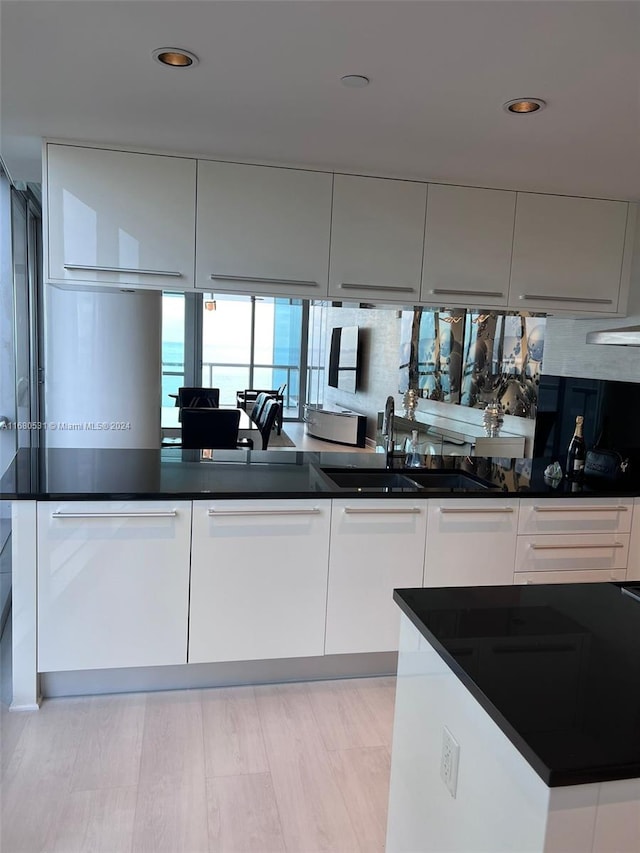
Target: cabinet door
118	218
263	230
633	567
471	542
258	579
467	249
113	584
377	238
376	546
567	254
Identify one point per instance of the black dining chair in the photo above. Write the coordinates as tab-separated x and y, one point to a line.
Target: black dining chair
204	429
268	418
197	398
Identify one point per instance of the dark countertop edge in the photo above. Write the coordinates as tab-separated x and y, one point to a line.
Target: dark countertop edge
553	778
349	494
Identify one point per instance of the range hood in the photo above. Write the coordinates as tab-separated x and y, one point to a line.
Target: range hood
629	336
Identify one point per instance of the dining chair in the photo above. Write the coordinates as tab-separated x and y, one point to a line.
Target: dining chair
197	398
268	417
212	429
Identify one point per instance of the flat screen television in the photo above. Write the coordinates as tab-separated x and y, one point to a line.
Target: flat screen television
344	363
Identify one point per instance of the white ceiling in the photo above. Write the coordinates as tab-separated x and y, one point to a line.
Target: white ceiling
267	86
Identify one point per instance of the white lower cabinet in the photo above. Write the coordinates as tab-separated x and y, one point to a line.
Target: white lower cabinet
258	579
471	542
113	584
376	546
633	566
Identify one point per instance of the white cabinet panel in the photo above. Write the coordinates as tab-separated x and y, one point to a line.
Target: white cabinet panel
521	578
467	250
563	515
471	542
258	579
633	566
113	584
572	552
377	237
567	254
263	230
119	218
376	546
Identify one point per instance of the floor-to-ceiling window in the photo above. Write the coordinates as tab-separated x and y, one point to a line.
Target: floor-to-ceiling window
173	345
254	342
233	342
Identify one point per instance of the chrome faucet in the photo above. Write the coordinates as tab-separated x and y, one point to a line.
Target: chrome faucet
388	423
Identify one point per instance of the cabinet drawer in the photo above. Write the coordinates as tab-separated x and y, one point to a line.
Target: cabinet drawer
470	542
569	577
606	515
572	552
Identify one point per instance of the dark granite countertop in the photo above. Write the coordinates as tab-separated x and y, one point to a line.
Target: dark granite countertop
557	667
106	474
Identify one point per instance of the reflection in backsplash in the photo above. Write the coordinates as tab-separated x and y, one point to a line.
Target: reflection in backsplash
473	358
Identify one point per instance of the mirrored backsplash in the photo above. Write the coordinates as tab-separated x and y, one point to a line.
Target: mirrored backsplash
472	358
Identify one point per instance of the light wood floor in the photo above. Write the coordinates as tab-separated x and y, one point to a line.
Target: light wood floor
296	767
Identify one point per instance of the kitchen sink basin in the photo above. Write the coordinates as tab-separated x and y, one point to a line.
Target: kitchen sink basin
458	480
377	480
365	480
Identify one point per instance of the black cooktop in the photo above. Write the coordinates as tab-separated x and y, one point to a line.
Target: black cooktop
556	666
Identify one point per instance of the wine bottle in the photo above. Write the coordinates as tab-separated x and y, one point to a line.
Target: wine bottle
576	452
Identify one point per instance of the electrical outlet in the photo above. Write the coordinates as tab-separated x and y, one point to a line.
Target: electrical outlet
449	761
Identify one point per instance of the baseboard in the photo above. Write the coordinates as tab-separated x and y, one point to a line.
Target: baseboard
200	675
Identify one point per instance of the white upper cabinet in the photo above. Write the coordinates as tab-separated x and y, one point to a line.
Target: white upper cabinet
119	218
467	249
568	254
377	239
263	230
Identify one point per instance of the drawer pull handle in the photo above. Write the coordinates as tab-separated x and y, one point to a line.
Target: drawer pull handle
229	512
582	299
391	288
170	513
465	510
620	508
438	291
252	279
361	510
535	547
122	269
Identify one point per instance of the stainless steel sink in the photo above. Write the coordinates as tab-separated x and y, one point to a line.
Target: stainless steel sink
377	480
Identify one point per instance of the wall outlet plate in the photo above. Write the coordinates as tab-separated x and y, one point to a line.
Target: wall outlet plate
449	761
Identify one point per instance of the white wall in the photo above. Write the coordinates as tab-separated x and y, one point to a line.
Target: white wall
567	354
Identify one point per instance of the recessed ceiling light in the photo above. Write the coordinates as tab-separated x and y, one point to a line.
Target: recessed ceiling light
175	57
524	105
355	81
